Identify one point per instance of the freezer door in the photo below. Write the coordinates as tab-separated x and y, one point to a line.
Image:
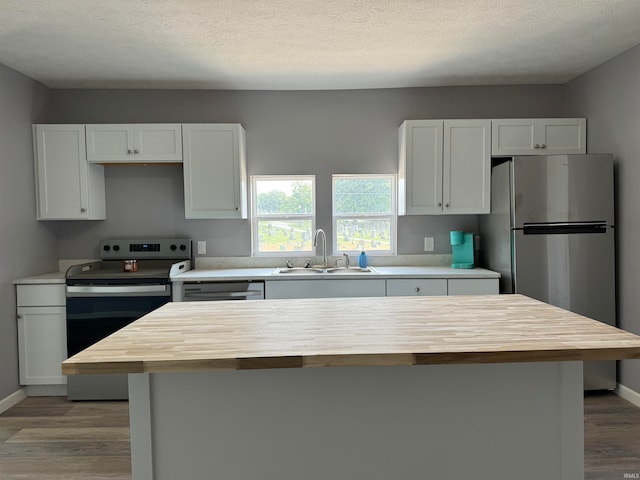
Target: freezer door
563	188
575	272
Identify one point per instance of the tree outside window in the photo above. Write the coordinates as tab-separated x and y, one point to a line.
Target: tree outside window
364	213
283	216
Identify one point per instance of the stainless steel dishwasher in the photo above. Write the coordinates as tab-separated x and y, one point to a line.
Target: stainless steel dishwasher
216	291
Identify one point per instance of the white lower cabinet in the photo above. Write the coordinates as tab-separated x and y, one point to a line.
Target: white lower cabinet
417	287
42	334
329	288
473	286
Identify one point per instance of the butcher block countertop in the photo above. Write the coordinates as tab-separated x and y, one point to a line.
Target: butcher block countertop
301	333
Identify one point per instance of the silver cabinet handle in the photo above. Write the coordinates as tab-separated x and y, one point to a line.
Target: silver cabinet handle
136	151
446	205
543	146
439	204
83	210
129	151
19	317
417	289
536	146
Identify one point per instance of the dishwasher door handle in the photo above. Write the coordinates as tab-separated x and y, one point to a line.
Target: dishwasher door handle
223	295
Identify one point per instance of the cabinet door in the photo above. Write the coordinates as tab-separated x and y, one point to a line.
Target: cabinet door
420	167
157	143
473	286
110	143
513	136
328	288
416	287
466	179
68	188
42	342
562	136
215	179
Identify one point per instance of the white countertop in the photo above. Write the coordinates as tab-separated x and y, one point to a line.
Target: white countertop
53	277
383	272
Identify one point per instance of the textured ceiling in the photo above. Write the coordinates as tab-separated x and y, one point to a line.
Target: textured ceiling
311	44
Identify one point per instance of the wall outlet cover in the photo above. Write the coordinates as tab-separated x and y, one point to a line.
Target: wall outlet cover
202	247
429	244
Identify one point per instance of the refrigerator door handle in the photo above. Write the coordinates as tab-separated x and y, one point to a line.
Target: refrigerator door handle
564	228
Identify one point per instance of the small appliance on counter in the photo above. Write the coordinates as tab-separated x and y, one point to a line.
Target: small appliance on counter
462	249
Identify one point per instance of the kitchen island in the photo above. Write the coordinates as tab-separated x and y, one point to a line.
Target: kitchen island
483	387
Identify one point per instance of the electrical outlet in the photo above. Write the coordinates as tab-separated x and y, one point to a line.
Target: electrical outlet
429	244
202	247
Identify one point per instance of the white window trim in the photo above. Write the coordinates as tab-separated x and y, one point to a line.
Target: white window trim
255	218
393	216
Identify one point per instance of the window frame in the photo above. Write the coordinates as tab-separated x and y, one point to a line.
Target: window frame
392	216
255	218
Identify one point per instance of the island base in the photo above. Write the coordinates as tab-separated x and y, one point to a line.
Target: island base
485	422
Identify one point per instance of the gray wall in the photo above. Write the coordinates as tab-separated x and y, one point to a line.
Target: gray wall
287	132
308	132
609	97
28	247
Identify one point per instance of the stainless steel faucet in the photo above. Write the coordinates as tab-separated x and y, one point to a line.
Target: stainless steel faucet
324	245
347	260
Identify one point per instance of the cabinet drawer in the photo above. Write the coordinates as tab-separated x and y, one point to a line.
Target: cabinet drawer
39	295
473	286
417	287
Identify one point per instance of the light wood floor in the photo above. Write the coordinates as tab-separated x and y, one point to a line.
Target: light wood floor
54	439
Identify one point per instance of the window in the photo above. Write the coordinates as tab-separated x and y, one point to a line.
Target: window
364	213
283	214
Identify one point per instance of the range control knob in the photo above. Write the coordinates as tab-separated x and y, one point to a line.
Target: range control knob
116	248
173	248
183	247
106	248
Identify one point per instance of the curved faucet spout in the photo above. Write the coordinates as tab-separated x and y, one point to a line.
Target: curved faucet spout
319	231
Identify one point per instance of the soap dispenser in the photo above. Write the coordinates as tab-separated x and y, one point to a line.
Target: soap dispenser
362	260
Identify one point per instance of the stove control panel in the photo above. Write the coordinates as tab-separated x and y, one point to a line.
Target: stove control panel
138	249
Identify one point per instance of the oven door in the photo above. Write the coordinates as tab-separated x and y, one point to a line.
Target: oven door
95	312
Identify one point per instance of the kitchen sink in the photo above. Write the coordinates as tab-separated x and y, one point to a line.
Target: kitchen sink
320	270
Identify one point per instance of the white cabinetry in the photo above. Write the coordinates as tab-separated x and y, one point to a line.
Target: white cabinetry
42	339
134	143
67	187
330	288
215	178
441	286
444	167
538	136
416	287
473	286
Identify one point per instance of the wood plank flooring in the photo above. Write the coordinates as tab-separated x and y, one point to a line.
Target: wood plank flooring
54	439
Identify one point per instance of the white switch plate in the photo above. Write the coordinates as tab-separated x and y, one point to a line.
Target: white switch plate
202	247
429	244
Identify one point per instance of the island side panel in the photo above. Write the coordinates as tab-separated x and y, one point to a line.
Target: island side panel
493	422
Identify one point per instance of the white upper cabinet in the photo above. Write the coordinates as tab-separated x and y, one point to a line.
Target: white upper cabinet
539	136
215	178
444	167
134	143
67	187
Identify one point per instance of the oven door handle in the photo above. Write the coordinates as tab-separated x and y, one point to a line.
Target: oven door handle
117	290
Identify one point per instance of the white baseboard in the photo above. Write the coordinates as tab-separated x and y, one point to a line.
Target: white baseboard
46	390
8	402
628	394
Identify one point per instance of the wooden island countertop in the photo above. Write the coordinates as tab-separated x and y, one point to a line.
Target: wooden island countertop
180	337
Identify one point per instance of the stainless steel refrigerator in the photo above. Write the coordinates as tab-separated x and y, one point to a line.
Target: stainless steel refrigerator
551	236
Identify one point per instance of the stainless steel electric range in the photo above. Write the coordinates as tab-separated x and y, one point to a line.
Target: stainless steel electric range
131	280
